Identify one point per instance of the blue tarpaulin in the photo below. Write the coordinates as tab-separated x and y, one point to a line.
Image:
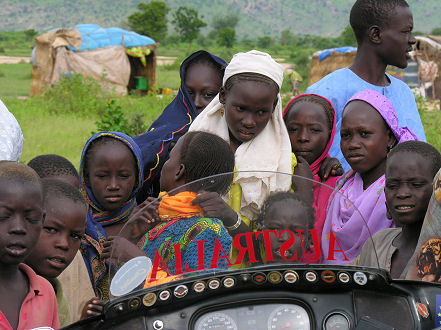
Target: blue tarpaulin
93	37
325	53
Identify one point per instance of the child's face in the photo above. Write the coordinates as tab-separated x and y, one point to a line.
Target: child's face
397	38
112	175
60	238
286	215
364	138
408	187
203	83
171	173
308	130
21	218
248	108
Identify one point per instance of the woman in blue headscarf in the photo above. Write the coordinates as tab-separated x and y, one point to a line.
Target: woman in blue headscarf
201	78
111	174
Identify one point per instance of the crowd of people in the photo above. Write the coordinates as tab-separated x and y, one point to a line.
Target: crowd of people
217	166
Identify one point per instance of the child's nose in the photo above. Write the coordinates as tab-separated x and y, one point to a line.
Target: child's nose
63	242
303	136
17	226
248	121
113	184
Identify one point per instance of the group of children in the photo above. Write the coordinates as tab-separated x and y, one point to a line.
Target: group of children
221	159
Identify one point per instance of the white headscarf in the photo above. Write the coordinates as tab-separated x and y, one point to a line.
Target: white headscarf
11	137
268	151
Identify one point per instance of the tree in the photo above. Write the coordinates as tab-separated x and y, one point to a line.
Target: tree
226	37
265	42
187	23
286	38
225	21
30	34
151	20
348	37
436	31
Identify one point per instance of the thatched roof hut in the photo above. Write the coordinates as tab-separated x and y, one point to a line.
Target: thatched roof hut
428	53
326	61
112	56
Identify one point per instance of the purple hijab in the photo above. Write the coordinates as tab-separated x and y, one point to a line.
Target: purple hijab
354	214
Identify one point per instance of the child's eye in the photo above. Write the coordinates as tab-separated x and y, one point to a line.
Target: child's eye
240	109
77	236
391	185
344	135
364	133
315	130
418	184
262	112
292	130
210	95
50	230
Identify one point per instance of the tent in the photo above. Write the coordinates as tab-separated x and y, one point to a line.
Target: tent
326	61
428	54
115	57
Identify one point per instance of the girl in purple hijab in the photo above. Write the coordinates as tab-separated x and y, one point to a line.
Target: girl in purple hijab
357	209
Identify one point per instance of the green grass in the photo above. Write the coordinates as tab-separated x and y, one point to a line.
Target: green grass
15	79
432	124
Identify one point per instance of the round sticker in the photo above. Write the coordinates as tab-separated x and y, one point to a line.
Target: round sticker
131	275
164	295
180	291
149	299
199	287
344	277
422	310
134	303
274	277
360	278
214	284
290	276
328	276
229	282
311	276
259	278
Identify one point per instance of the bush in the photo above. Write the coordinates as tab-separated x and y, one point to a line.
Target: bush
114	119
76	94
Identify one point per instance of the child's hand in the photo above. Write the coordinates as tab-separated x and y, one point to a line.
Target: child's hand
301	186
215	207
144	217
121	249
330	167
93	307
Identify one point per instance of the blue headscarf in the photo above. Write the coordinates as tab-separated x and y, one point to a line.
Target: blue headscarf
97	217
168	128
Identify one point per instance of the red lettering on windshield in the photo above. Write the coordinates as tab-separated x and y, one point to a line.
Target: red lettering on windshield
267	243
243	250
332	250
217	249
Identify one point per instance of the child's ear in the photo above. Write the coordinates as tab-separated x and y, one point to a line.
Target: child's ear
180	175
374	34
388	215
222	95
392	141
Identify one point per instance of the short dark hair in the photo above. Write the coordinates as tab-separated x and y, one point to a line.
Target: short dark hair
316	99
204	154
366	13
101	141
60	189
424	149
53	165
250	76
11	170
282	196
205	59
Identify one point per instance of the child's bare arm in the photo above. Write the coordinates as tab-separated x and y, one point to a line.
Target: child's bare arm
330	167
144	217
93	307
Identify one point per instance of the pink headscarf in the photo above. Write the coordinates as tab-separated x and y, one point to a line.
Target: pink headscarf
350	227
321	192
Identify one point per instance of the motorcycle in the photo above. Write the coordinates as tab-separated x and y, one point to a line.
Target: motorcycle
280	278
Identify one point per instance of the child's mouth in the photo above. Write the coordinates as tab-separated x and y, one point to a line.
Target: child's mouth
57	262
113	199
16	250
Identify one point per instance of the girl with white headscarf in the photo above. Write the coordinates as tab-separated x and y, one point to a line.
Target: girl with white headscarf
11	137
247	113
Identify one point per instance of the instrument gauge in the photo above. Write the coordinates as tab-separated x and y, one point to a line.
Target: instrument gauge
289	317
216	321
337	321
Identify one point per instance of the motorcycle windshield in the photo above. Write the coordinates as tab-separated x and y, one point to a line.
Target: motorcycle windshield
172	238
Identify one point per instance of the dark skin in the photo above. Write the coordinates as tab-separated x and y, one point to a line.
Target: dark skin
21	219
408	190
202	82
384	45
365	138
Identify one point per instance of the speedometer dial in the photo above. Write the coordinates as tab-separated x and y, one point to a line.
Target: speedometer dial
289	317
217	321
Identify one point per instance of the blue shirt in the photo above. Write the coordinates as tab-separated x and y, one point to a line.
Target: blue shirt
339	86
